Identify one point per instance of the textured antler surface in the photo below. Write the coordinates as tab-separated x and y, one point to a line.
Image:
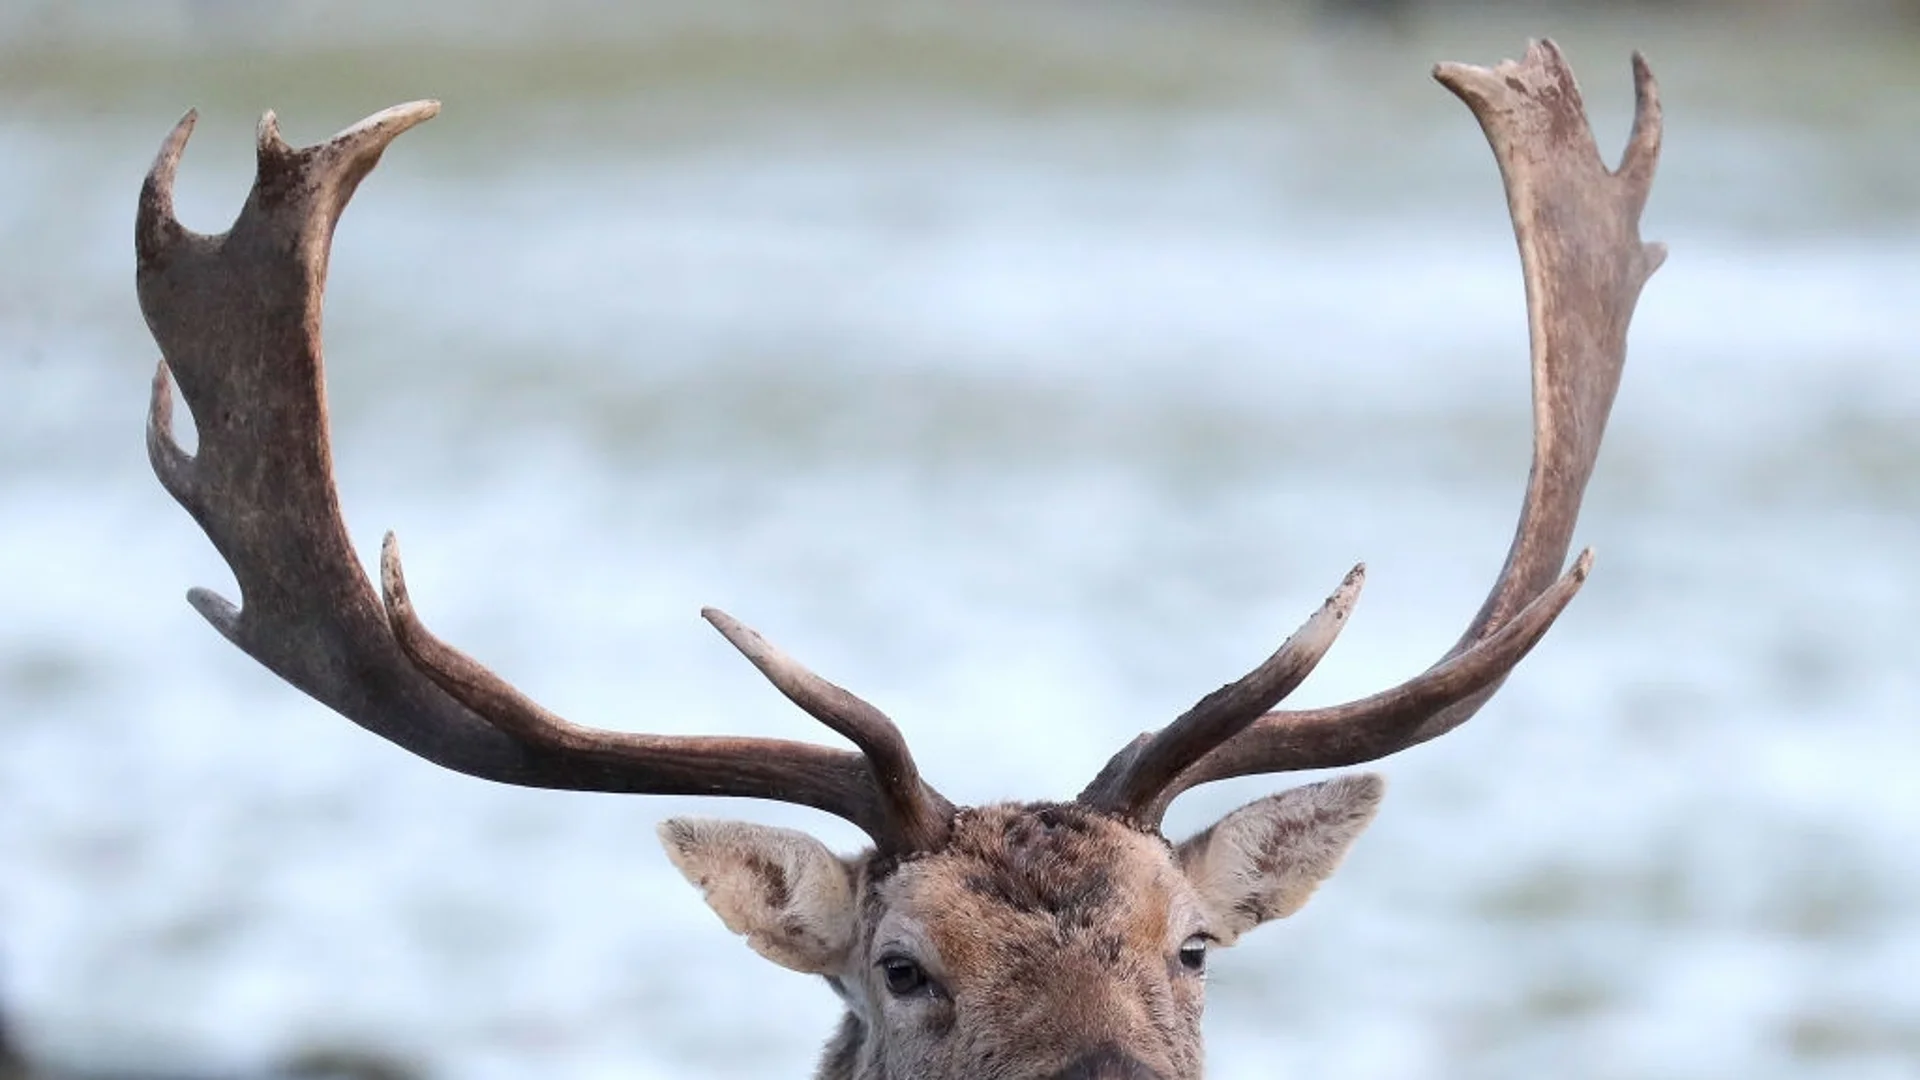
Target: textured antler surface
237	318
1134	779
1584	264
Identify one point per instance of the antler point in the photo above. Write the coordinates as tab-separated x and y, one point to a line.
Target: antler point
393	579
155	226
267	132
375	133
162	401
218	611
1583	565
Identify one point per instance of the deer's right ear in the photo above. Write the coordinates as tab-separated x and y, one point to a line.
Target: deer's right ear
784	891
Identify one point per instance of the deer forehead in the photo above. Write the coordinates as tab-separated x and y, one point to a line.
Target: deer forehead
1034	878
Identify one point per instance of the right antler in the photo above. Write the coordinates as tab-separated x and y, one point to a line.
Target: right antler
1578	226
237	318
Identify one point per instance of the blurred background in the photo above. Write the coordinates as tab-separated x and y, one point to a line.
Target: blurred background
1031	368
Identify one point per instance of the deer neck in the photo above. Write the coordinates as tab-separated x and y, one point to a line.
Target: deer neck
845	1052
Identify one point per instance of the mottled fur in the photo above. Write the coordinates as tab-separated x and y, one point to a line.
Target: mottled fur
1050	935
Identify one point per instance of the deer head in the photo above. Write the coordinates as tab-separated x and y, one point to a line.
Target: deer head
1020	941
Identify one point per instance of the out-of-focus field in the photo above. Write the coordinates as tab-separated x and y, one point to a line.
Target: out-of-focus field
1031	369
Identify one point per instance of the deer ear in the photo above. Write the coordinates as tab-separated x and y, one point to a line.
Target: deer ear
1263	860
783	890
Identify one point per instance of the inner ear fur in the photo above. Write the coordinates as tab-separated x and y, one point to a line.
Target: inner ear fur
1263	860
789	895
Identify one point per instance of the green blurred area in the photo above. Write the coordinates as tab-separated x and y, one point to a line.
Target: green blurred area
1767	58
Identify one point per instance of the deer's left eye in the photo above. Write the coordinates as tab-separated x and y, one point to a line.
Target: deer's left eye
1193	953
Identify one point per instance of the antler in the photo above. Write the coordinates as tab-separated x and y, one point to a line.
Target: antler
1584	263
237	318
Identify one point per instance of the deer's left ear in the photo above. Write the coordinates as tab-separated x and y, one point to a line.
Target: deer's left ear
1263	860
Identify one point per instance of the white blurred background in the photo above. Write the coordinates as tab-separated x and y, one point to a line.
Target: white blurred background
1031	369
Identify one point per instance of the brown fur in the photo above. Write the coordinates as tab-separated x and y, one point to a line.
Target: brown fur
1050	934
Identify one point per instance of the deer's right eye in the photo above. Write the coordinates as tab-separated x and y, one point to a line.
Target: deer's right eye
904	977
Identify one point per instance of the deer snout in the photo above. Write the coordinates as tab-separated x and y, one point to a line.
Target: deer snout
1107	1063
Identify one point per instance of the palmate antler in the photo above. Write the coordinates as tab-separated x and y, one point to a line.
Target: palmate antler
1578	226
237	318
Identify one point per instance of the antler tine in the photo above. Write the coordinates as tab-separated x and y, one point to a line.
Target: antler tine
1584	264
916	810
789	772
1131	782
1387	722
155	226
237	318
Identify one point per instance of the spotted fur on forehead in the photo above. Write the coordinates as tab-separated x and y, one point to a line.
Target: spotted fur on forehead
1049	925
1043	859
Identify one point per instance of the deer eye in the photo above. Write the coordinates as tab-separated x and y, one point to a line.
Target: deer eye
904	977
1193	953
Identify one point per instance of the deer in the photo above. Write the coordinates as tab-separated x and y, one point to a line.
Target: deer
1042	940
